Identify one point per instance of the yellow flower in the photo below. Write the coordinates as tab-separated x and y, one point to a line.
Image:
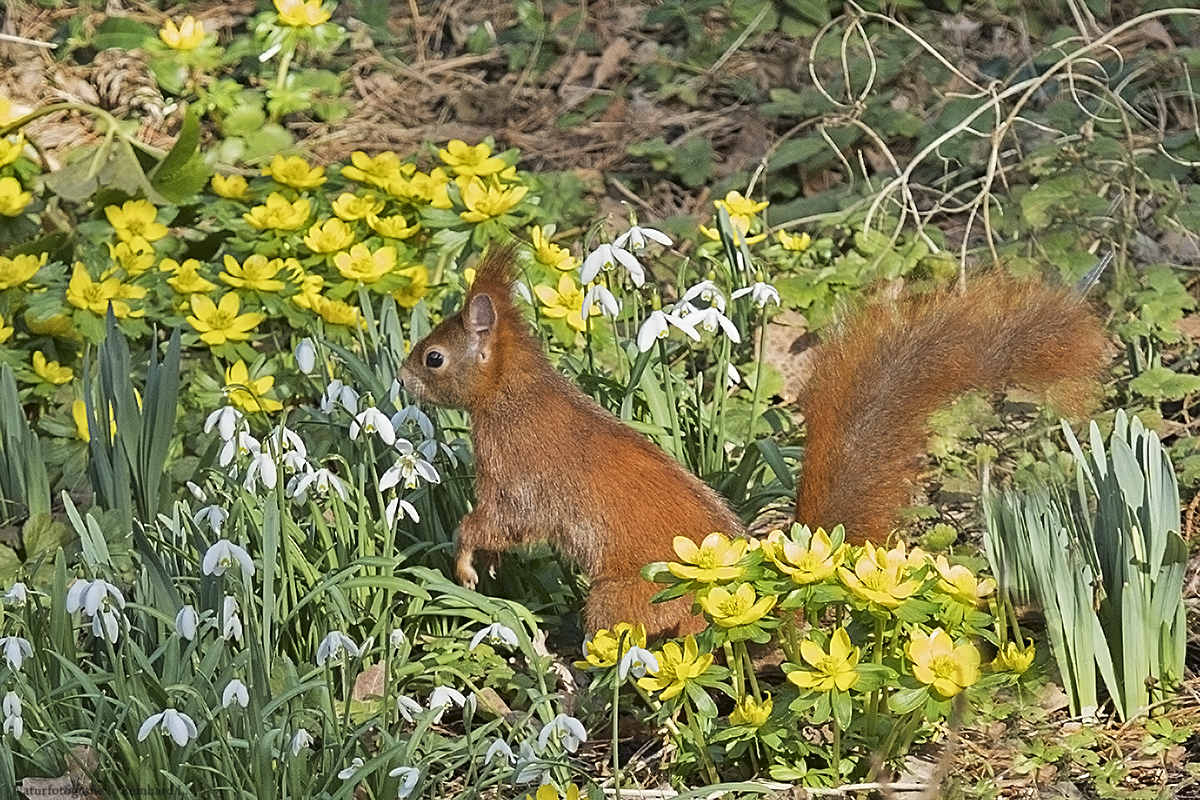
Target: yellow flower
960	583
249	395
712	561
566	301
466	160
60	326
135	256
309	294
677	666
336	312
220	323
95	296
879	580
295	172
739	233
187	36
830	670
19	269
13	198
418	285
484	201
433	188
806	565
329	236
796	244
936	661
278	214
393	227
79	414
379	171
739	206
1013	659
551	254
351	206
186	278
256	273
51	371
135	218
360	264
739	607
11	148
233	187
751	714
601	650
547	792
301	13
6	331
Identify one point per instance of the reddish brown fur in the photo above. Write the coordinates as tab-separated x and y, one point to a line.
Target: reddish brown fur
871	391
553	465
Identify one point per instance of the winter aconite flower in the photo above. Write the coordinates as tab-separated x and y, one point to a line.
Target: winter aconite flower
329	236
488	200
232	187
186	278
278	214
361	264
601	649
677	666
13	198
188	35
1013	658
17	270
136	218
739	607
301	13
806	565
395	226
750	713
830	670
797	244
714	560
257	272
249	394
941	664
549	253
295	172
95	296
218	323
879	580
565	302
464	159
177	725
51	371
961	584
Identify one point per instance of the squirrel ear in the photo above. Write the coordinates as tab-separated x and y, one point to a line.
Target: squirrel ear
480	321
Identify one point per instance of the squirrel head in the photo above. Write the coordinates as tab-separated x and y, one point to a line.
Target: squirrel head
461	363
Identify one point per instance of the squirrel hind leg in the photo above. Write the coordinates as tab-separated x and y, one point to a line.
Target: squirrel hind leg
627	599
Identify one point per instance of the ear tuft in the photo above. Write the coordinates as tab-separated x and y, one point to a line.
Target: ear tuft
480	316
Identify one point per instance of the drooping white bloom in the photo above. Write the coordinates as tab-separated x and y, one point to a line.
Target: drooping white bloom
338	393
235	692
499	748
733	376
17	595
711	319
529	765
414	415
231	623
196	491
411	467
606	257
638	661
333	645
306	355
495	634
706	291
399	509
186	622
567	730
300	740
101	601
635	238
177	725
408	707
225	420
761	293
16	650
262	470
372	420
408	780
213	516
658	325
223	555
321	480
13	721
598	294
397	638
442	697
240	445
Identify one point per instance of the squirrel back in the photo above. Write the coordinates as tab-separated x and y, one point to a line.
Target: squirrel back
552	465
871	390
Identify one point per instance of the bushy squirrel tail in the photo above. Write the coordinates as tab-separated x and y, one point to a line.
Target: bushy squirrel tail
868	399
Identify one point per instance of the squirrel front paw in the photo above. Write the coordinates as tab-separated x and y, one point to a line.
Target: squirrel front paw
464	570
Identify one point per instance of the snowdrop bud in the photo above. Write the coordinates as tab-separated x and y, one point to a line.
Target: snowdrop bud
306	356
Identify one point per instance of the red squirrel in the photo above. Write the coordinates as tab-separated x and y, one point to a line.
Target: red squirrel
552	465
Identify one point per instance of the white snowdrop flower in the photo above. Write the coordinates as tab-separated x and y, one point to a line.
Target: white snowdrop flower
638	661
397	638
706	291
239	446
408	780
372	420
16	650
494	634
186	622
101	601
760	293
177	725
598	294
410	467
398	509
734	377
635	238
12	705
17	595
306	355
348	773
322	481
442	697
408	707
262	470
338	393
196	490
566	729
499	748
332	647
231	623
223	555
658	326
225	420
394	391
212	516
529	767
235	692
13	722
606	257
415	415
300	740
711	319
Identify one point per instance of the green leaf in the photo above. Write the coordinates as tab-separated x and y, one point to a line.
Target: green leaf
183	171
1161	383
122	33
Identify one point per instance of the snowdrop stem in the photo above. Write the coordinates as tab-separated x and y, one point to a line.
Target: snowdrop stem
759	368
669	390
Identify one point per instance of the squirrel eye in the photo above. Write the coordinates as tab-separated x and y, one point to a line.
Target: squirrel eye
434	359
